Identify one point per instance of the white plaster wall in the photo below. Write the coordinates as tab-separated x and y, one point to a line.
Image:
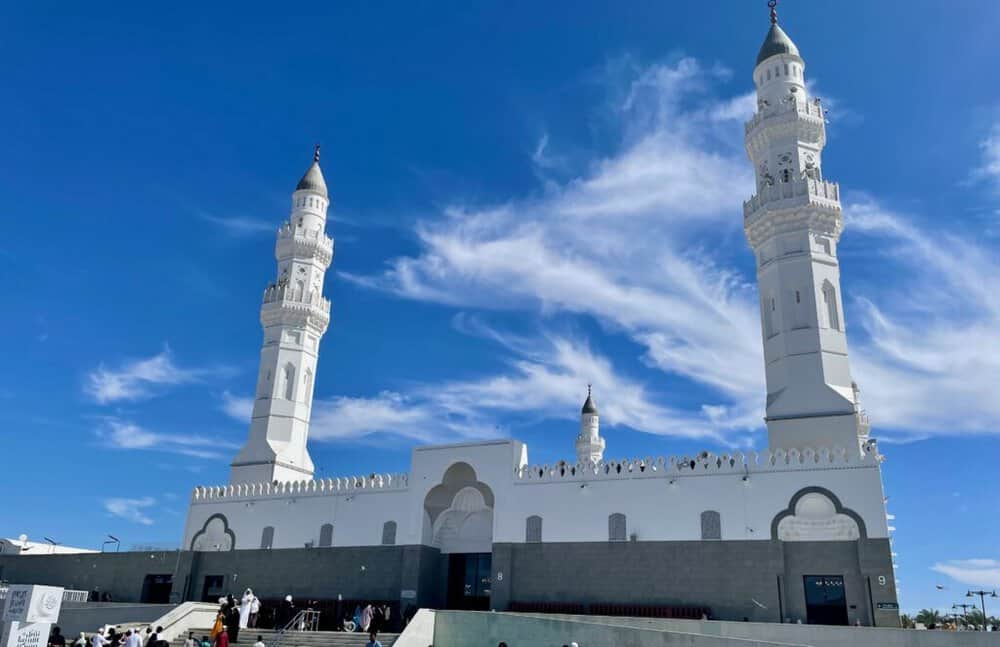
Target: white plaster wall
660	505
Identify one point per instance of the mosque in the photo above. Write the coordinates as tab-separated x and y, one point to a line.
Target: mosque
796	532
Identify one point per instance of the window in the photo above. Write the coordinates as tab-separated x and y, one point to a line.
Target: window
830	298
267	537
389	533
307	381
326	535
711	525
769	319
617	528
533	529
288	382
786	69
798	297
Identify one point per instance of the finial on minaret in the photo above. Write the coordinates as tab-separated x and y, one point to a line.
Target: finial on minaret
774	12
588	390
316	153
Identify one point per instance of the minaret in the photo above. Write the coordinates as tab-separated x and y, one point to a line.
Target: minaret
793	224
294	316
589	444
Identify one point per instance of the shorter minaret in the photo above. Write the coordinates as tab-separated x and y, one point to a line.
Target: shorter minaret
589	444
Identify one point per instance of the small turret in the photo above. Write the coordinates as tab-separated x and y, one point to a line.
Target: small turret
589	444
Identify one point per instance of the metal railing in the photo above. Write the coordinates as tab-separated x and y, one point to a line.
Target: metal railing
305	620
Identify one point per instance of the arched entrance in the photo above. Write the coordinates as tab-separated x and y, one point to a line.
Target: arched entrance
458	521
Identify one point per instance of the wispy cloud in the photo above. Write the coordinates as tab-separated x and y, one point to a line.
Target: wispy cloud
973	572
122	434
134	510
648	241
546	379
136	379
237	407
989	168
240	226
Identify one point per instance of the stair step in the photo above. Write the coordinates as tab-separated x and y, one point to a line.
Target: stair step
300	639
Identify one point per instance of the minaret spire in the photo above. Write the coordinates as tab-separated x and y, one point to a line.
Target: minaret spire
589	444
793	224
294	316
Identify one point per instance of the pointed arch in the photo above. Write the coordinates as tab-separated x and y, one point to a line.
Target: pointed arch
832	310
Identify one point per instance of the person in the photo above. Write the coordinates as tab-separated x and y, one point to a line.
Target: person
81	641
222	640
56	639
285	613
366	617
245	603
357	617
233	622
260	642
372	640
378	619
254	612
219	625
502	644
114	638
573	644
205	642
190	642
97	640
132	639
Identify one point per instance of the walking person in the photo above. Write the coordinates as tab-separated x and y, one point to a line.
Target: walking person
220	624
132	638
190	641
97	640
373	640
366	617
222	640
245	602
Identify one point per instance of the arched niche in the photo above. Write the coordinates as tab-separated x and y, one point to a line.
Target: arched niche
458	512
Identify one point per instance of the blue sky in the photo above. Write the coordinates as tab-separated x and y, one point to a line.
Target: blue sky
527	197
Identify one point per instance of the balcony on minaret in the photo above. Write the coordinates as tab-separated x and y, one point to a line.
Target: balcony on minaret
283	303
295	241
798	192
787	110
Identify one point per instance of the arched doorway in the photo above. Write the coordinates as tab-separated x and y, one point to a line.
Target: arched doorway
458	521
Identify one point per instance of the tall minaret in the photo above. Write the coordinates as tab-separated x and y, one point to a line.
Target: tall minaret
589	444
793	224
294	316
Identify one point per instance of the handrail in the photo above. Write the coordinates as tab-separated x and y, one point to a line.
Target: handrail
304	620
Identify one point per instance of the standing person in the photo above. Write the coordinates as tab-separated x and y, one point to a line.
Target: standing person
97	640
254	612
260	642
366	617
245	602
132	638
233	622
285	612
372	640
190	642
205	642
56	639
114	638
222	640
378	619
81	641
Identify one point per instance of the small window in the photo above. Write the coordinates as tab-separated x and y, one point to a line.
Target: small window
798	297
786	69
389	533
617	528
267	538
769	75
711	525
533	529
326	535
830	298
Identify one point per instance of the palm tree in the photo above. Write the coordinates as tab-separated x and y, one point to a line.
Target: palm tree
905	621
928	617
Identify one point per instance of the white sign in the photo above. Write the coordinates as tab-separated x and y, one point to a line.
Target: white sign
31	634
408	594
30	603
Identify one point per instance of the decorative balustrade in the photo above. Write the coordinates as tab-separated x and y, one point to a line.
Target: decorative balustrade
294	240
706	463
315	487
293	296
808	109
812	190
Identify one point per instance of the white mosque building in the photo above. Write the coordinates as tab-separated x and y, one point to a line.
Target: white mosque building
796	532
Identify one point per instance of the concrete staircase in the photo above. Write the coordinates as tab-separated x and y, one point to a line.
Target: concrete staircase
298	638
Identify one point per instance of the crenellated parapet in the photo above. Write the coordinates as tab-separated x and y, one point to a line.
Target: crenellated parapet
313	487
284	303
295	241
703	464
